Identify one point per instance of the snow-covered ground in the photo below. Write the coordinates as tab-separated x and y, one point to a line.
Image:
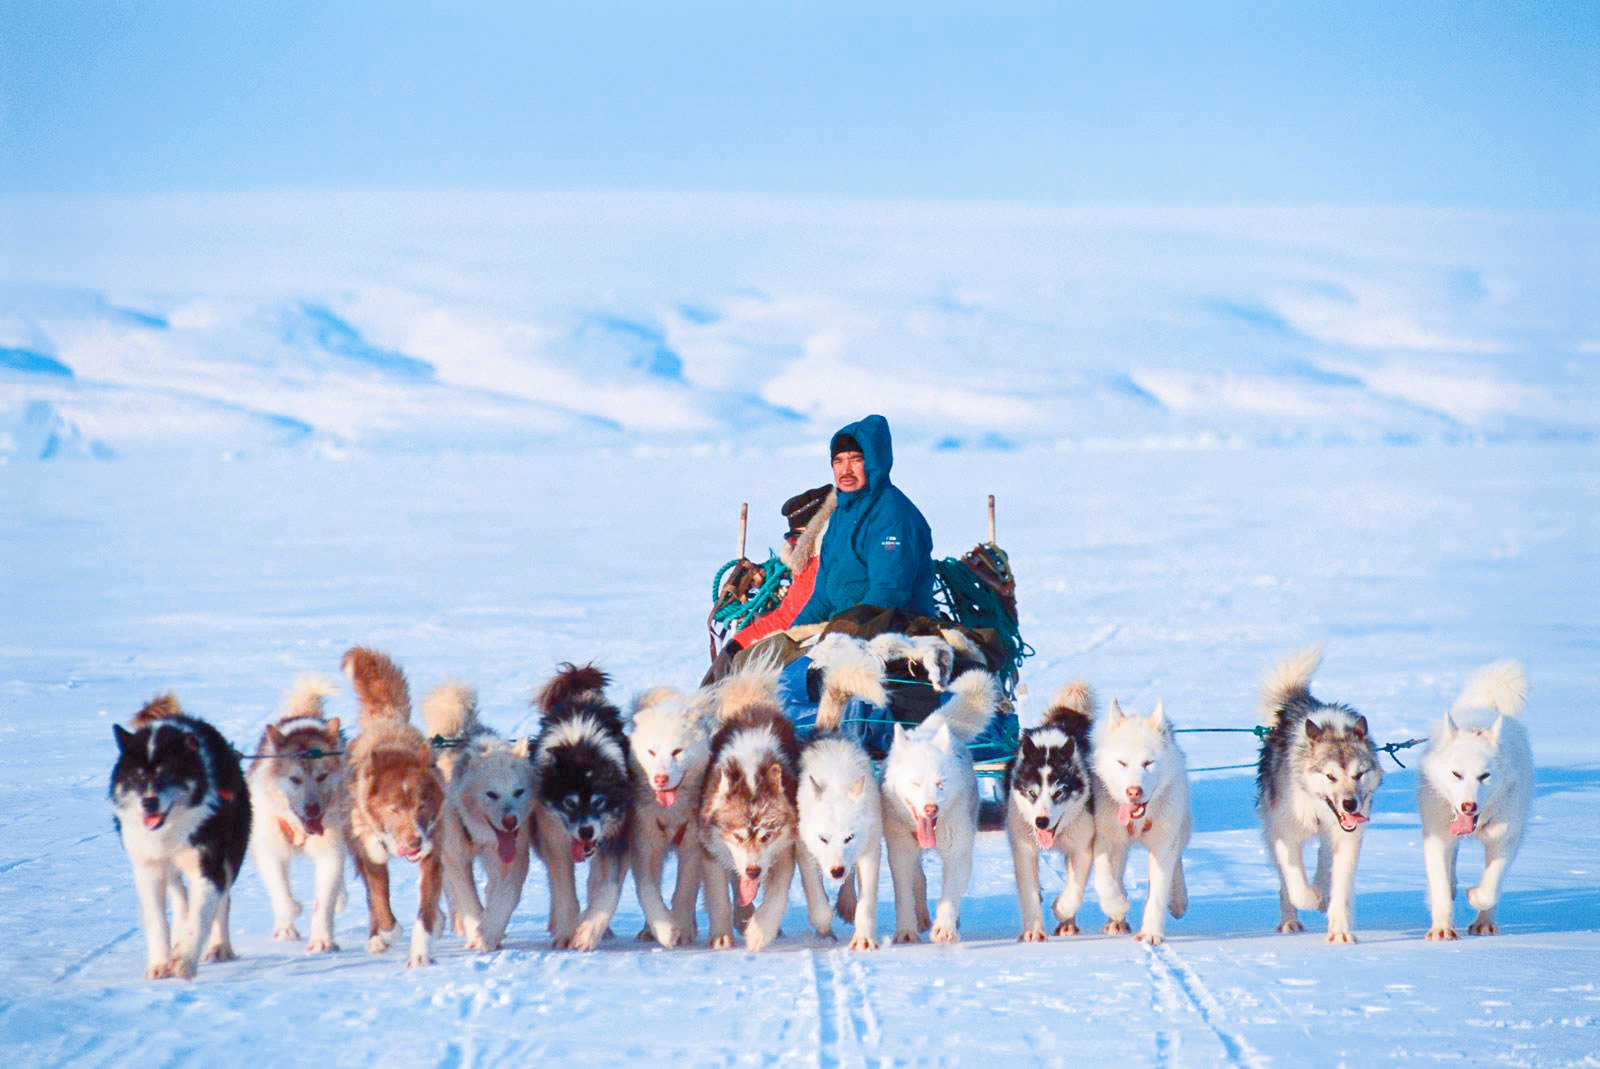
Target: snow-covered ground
1172	573
489	434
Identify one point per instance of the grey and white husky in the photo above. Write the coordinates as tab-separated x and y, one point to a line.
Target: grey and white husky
1316	776
1476	780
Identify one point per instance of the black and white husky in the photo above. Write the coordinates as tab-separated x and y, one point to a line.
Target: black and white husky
585	802
1052	808
1316	776
182	807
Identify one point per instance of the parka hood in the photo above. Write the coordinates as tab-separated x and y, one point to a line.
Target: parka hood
877	453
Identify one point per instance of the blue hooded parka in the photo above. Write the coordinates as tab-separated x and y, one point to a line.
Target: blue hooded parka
878	549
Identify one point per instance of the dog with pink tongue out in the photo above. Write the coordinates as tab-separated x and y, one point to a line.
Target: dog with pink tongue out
930	802
1051	807
670	746
1141	797
749	814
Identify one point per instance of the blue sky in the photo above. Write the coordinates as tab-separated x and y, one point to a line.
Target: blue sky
1477	105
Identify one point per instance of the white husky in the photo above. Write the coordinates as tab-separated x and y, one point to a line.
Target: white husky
1476	779
300	809
1141	795
930	801
841	811
487	816
670	745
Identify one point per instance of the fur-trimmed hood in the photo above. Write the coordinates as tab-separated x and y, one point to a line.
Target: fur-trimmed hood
809	544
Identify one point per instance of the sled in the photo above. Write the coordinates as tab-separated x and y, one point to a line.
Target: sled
975	593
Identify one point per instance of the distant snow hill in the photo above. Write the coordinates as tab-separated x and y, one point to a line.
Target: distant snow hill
424	323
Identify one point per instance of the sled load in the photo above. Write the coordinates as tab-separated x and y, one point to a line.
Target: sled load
976	620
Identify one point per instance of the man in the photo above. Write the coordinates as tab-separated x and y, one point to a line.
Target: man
879	550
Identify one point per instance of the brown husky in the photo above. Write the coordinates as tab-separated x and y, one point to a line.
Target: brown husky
396	798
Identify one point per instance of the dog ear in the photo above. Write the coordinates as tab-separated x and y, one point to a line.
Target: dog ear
774	774
943	739
276	738
1314	730
331	730
858	789
1360	730
123	737
1069	747
1116	711
520	748
1158	716
899	732
1494	729
816	787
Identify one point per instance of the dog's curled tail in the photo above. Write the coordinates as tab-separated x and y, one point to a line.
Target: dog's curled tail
976	697
1074	700
307	698
753	686
1287	680
1501	686
162	707
451	710
657	696
572	684
850	669
379	684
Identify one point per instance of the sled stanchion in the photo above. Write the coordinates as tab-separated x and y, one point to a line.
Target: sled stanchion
991	519
744	521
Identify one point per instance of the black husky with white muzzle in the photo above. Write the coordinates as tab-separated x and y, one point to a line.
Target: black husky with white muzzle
585	802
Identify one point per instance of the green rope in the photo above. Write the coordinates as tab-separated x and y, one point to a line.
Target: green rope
971	603
735	614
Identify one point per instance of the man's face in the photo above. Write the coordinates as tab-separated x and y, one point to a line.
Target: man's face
849	471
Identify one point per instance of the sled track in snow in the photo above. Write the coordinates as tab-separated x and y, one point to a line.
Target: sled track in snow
847	1025
1174	978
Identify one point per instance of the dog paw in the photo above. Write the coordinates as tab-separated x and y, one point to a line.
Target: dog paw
220	952
755	940
1067	927
1117	927
180	969
588	936
159	971
477	942
419	959
863	941
1033	935
1289	927
722	942
377	944
1155	939
1483	927
903	936
1342	936
322	946
945	934
1441	934
286	932
825	935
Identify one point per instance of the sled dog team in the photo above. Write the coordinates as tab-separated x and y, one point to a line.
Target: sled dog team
719	779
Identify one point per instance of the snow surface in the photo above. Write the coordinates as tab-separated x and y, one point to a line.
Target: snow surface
489	434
